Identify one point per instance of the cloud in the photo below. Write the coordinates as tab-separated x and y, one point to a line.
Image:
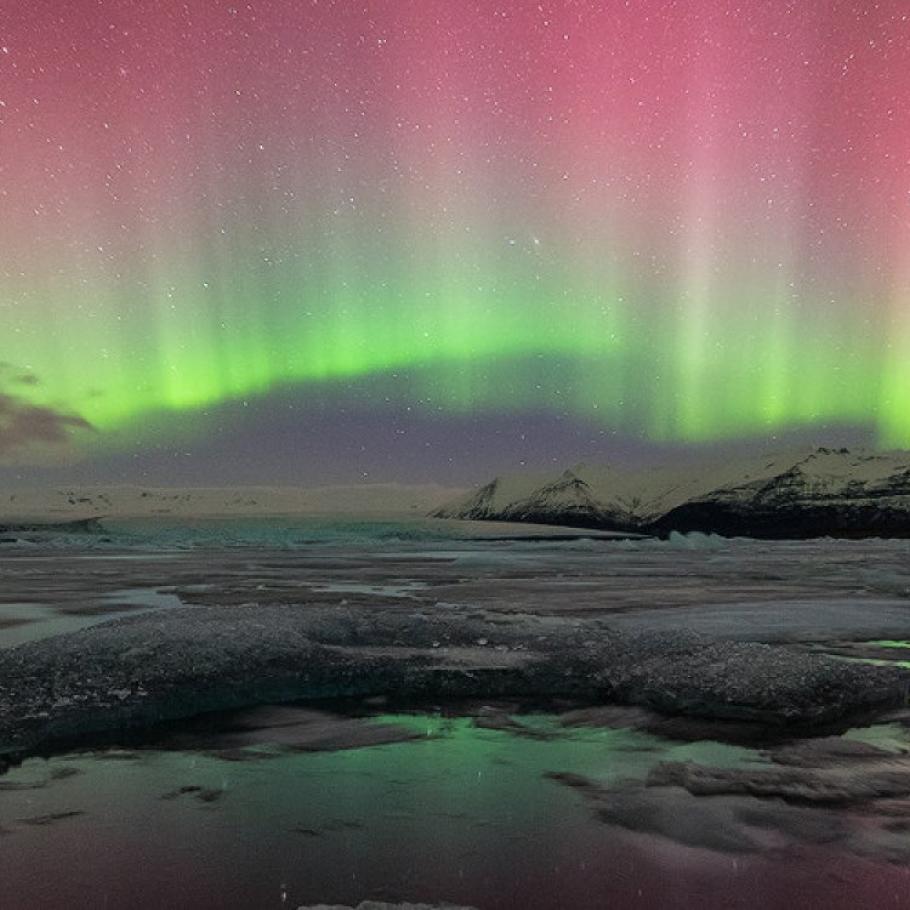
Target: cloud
28	429
13	375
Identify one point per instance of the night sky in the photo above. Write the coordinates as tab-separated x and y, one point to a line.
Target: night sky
423	239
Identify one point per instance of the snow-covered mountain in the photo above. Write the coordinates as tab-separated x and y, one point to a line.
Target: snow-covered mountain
798	494
582	497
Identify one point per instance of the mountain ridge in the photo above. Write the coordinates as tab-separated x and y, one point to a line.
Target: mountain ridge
808	493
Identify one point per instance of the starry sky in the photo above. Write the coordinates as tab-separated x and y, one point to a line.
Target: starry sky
403	239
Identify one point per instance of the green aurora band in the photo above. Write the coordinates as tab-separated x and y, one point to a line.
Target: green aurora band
693	250
502	339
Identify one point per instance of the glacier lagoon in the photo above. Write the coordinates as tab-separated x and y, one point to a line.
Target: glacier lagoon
489	804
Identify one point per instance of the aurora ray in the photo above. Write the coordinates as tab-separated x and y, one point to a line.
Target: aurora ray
690	221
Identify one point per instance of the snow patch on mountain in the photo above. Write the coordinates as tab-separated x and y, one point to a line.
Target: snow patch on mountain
800	494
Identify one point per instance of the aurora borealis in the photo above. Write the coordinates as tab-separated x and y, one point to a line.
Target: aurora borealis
688	221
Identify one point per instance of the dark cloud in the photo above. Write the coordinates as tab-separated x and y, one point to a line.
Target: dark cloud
25	427
10	374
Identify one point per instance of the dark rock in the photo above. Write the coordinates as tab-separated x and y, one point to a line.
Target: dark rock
51	818
743	681
290	728
753	807
675	727
143	669
783	520
64	773
730	823
7	786
800	785
506	723
203	794
77	526
830	751
182	791
674	815
328	828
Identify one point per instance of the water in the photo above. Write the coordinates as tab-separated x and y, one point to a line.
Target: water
168	533
462	814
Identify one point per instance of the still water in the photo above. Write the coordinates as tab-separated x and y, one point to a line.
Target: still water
458	814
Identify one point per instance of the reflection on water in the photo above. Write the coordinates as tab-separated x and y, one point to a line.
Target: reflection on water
461	814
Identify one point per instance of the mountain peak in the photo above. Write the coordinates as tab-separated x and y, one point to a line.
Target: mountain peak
815	492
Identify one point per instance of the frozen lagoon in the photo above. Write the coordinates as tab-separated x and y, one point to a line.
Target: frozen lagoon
814	590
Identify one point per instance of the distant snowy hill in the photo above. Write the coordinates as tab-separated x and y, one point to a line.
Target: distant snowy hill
803	494
85	502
